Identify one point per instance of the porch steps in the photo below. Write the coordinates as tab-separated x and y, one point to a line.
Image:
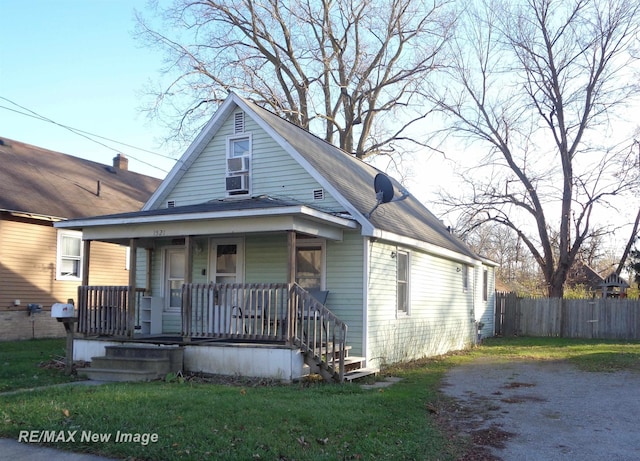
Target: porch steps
353	365
134	363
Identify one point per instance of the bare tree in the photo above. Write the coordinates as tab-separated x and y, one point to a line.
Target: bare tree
534	85
516	267
631	163
348	71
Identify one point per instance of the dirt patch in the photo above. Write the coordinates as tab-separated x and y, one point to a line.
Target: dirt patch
510	410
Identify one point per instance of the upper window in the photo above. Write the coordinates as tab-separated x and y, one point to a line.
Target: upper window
69	255
402	280
238	165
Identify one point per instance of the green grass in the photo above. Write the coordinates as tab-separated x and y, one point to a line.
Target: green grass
586	354
19	364
300	421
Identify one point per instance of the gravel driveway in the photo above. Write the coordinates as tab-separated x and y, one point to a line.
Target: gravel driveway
532	410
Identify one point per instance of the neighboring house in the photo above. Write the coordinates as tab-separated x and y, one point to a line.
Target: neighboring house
581	276
42	265
274	236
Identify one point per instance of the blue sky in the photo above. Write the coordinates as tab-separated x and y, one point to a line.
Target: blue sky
76	62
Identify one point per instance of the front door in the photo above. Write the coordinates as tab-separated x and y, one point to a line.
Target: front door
225	266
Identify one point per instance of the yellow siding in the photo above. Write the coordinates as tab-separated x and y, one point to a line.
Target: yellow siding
28	273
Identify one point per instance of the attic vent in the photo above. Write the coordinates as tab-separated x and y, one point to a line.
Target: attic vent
171	204
238	123
318	194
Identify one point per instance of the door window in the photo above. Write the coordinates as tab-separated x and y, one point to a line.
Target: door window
175	267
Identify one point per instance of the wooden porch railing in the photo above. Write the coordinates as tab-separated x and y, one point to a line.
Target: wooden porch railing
106	310
321	335
275	312
235	311
266	312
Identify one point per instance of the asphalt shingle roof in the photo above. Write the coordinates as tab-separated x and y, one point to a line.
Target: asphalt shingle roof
43	182
354	178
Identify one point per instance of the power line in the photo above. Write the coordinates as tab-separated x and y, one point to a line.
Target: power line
85	134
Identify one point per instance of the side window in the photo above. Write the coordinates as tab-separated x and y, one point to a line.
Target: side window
238	179
485	285
465	277
402	280
69	255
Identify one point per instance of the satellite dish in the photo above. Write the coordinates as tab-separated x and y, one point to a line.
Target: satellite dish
384	192
383	187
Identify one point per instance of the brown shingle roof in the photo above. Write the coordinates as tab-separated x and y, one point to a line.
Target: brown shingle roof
43	182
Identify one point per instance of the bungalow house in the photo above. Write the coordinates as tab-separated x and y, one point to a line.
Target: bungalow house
41	265
268	252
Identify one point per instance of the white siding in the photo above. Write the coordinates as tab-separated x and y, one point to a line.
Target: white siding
486	311
273	172
441	312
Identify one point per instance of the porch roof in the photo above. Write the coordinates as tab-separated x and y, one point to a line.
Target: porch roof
216	217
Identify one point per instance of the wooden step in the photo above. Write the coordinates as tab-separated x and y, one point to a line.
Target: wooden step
360	373
353	363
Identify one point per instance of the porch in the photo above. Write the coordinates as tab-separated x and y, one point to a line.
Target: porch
250	318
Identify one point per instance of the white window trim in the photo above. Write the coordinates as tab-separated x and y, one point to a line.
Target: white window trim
68	233
322	243
399	313
229	141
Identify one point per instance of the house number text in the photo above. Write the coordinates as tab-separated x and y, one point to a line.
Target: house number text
158	232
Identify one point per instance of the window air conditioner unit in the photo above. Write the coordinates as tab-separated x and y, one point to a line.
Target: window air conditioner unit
237	164
238	183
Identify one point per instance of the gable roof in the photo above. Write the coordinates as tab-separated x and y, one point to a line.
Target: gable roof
351	180
50	184
348	179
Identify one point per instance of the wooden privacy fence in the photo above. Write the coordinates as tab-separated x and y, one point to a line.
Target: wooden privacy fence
601	318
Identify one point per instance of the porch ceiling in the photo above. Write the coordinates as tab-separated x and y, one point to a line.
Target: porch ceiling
199	221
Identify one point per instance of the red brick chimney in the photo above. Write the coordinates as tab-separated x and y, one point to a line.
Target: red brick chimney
121	162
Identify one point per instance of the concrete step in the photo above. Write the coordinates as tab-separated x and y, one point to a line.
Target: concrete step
102	374
174	354
360	373
157	365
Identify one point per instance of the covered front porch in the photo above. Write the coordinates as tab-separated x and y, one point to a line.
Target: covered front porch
270	325
251	271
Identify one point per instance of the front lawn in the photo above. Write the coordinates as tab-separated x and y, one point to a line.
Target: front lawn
32	363
181	419
248	420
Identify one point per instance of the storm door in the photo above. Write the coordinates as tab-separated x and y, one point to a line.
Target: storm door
226	267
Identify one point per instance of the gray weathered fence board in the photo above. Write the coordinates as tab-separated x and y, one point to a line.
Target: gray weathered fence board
569	318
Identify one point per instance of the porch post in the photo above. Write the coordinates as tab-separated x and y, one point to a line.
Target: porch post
291	279
131	299
188	259
186	294
291	267
86	253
